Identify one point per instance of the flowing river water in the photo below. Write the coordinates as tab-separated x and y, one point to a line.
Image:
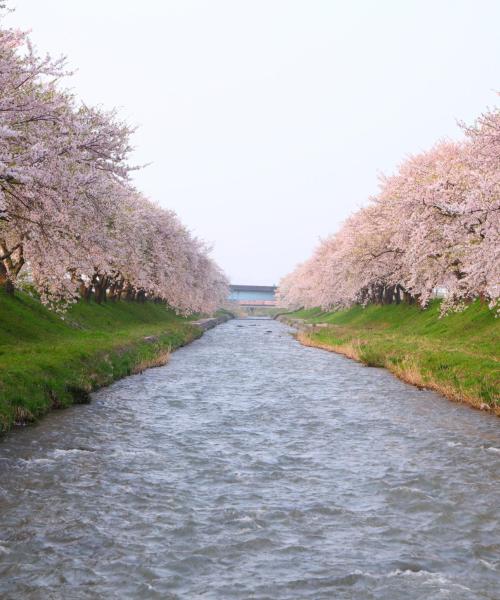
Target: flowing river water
253	467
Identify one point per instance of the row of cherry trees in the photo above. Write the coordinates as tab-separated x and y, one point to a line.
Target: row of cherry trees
435	223
71	223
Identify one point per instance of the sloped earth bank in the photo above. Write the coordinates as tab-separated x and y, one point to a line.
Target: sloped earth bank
253	467
49	361
456	355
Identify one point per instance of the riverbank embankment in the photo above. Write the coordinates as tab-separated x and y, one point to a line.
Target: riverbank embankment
48	361
456	355
210	322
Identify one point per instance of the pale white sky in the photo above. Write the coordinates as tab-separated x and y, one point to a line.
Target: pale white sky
267	121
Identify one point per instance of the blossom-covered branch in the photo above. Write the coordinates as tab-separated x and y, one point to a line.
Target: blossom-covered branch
71	223
435	223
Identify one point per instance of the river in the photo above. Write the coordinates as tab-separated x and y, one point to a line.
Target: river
253	467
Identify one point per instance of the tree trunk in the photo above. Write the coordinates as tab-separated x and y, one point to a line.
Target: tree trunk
100	290
103	287
11	263
129	293
112	292
380	295
388	294
5	281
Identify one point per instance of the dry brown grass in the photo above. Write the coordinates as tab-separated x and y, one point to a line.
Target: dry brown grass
407	370
351	349
22	415
158	360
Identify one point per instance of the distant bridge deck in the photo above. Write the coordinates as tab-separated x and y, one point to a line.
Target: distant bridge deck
255	302
253	295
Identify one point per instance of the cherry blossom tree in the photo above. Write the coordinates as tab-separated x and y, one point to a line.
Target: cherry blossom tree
71	223
435	222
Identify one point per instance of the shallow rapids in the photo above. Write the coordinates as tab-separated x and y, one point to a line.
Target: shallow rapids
253	467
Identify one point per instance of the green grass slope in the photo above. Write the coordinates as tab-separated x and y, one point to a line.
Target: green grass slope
457	355
50	362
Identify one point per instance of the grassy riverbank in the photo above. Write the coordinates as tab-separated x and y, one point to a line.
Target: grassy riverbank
47	362
457	355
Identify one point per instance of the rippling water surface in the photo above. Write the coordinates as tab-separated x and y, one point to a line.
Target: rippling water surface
253	467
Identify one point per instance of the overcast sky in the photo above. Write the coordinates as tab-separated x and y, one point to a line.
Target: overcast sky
266	122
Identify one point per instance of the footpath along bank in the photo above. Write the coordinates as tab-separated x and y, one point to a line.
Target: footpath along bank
456	355
49	362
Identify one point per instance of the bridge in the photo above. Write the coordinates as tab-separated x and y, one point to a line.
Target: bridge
253	295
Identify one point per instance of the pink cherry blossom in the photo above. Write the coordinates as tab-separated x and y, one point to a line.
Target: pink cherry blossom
434	223
71	223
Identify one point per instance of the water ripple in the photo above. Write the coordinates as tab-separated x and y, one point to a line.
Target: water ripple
253	467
